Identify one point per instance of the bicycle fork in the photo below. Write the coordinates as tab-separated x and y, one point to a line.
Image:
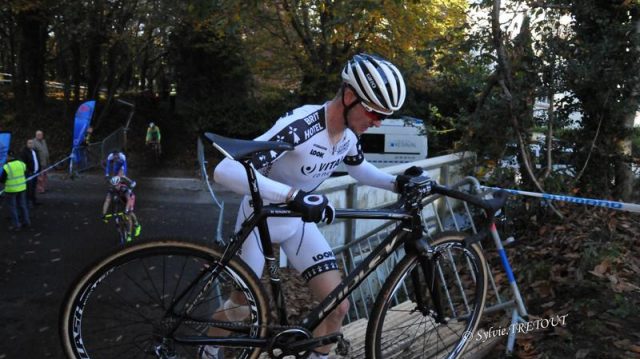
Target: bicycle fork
430	287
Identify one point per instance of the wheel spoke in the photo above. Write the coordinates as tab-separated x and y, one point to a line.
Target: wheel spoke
121	309
409	331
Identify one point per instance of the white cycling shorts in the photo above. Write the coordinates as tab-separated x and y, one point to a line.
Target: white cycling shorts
306	248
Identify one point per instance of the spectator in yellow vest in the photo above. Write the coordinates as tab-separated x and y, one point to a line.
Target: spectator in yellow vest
15	188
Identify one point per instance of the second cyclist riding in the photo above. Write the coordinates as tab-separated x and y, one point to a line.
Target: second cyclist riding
168	299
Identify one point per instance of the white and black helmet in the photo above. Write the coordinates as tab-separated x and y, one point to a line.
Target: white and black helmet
115	180
376	81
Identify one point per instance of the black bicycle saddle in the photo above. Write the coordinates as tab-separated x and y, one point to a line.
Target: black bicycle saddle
243	149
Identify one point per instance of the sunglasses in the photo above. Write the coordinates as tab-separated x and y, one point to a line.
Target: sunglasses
373	114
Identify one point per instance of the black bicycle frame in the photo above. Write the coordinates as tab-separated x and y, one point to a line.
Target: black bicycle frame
410	228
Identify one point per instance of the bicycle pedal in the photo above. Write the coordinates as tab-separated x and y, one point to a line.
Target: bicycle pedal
344	347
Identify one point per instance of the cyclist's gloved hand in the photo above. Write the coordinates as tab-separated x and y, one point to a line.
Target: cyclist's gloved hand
413	171
313	207
403	179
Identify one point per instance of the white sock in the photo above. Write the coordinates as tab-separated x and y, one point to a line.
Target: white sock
316	355
208	351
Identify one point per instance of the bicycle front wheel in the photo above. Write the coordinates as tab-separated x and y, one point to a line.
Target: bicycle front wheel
122	226
409	321
145	300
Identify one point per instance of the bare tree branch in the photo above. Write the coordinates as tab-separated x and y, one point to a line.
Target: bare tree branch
543	5
506	83
591	148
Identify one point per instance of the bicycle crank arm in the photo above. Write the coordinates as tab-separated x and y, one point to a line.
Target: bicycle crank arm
237	342
309	344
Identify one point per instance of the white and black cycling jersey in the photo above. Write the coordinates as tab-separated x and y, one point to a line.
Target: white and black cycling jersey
314	158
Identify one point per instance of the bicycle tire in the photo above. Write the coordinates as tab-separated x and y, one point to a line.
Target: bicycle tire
122	226
117	308
397	329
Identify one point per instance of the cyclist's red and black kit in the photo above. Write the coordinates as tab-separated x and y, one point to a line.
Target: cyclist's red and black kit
124	190
313	159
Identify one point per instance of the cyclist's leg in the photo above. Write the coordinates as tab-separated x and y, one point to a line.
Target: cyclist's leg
107	203
137	228
252	254
131	203
311	255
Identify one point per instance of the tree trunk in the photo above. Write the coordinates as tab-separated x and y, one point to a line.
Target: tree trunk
29	79
95	69
76	67
624	175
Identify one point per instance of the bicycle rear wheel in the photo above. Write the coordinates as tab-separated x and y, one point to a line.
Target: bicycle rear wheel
402	327
134	303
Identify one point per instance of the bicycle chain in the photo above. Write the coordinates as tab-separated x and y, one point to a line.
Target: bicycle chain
240	325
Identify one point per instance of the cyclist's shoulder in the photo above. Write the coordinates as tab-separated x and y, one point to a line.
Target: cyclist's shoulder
295	123
301	113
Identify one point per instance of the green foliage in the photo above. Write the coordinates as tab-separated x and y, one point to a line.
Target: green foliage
605	85
303	46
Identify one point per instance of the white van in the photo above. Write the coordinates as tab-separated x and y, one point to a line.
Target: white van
395	141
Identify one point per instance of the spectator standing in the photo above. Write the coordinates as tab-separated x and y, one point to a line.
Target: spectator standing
30	157
40	145
83	151
87	136
15	188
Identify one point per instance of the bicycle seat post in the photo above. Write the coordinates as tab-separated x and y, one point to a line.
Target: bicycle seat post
256	199
265	239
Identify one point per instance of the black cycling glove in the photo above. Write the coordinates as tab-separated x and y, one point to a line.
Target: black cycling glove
403	179
313	207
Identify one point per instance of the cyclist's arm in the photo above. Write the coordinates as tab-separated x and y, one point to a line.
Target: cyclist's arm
148	137
364	172
106	167
233	176
128	181
124	163
368	174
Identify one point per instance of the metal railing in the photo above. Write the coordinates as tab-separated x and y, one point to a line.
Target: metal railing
94	154
440	214
352	240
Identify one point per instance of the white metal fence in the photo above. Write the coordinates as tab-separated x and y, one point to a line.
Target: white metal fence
352	241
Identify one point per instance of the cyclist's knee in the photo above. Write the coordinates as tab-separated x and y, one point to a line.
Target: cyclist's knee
340	312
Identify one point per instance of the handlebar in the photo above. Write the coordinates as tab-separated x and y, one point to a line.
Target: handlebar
421	186
490	205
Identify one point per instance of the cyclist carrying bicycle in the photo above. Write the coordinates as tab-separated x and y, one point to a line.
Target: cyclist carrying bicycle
153	136
122	187
323	136
116	164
